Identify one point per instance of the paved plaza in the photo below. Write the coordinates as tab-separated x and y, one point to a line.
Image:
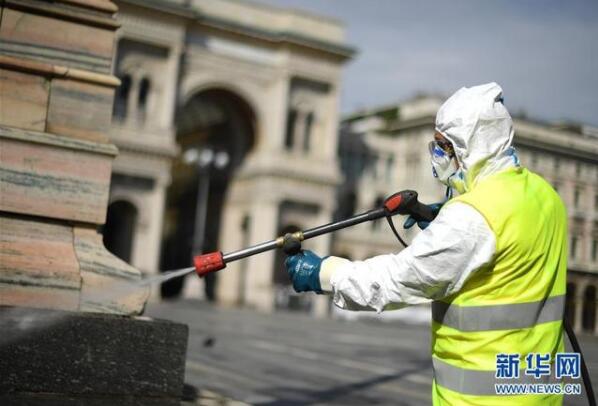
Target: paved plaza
292	359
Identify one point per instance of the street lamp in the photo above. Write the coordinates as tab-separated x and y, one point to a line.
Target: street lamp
204	160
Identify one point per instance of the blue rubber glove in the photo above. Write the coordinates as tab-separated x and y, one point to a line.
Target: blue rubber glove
304	271
422	224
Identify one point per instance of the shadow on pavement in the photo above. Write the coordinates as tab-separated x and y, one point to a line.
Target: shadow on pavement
334	393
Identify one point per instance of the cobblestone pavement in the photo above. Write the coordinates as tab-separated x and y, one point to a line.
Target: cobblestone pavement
238	356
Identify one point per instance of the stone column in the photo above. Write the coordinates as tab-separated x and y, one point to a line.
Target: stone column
147	236
169	92
231	240
321	245
250	278
327	136
272	120
259	288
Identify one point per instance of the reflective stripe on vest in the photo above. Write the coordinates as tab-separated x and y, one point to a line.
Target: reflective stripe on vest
498	317
478	383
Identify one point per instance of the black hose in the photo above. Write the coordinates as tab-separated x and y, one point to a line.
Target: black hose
394	231
585	374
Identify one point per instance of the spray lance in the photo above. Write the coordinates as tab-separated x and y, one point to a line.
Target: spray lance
403	203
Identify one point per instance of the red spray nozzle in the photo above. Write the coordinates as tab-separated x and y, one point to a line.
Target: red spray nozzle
206	263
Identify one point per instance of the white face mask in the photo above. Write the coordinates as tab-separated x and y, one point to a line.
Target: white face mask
443	166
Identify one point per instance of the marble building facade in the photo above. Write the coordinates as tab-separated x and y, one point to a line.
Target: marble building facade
255	84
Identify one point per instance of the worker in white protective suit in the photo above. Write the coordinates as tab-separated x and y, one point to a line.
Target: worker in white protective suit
493	262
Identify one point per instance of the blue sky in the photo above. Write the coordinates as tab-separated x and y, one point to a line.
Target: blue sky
543	53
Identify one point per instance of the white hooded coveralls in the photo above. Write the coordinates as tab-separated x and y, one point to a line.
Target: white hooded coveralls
459	241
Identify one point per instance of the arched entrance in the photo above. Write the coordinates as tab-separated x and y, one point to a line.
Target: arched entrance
215	130
119	230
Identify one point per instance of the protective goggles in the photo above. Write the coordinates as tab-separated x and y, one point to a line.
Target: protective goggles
436	147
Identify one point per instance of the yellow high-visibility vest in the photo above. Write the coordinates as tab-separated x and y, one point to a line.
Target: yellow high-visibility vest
513	305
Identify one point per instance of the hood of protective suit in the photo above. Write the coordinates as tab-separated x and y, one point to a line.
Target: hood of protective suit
480	128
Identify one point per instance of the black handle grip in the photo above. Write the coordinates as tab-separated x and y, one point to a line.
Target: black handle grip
421	212
406	202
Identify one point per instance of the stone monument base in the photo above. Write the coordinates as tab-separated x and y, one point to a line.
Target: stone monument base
50	357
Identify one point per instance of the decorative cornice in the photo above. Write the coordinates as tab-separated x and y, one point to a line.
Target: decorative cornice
166	7
57	71
281	37
558	142
399	125
156	152
566	150
152	142
59	141
84	13
527	134
99	5
287	174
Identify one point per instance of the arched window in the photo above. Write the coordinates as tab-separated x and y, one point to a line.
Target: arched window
589	309
119	230
121	98
573	248
289	139
309	123
144	89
